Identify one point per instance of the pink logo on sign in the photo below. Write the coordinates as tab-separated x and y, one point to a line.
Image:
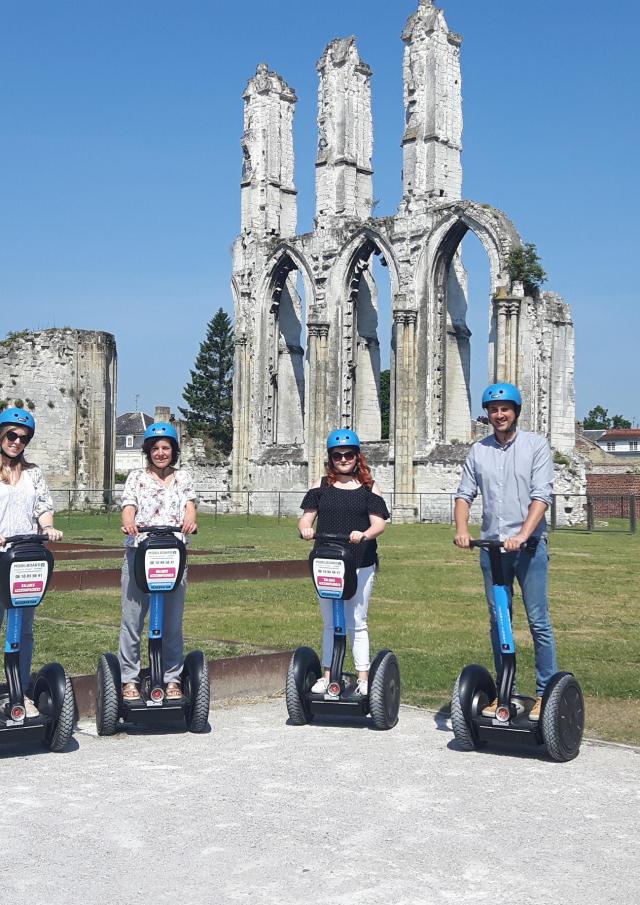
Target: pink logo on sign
28	587
159	572
328	581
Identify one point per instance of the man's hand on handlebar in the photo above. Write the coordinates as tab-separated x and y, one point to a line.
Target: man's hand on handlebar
307	533
52	533
463	540
517	542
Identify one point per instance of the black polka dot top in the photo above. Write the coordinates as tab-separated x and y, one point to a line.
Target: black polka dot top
343	511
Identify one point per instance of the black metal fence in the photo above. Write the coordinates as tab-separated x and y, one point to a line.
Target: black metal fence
584	512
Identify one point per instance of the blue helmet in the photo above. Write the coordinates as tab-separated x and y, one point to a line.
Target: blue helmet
19	417
160	430
502	392
344	437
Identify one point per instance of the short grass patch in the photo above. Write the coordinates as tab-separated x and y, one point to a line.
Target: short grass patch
428	606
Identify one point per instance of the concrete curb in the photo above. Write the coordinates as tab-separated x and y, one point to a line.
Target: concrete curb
256	675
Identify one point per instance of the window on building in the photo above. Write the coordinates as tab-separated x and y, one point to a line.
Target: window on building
129	441
611	445
633	445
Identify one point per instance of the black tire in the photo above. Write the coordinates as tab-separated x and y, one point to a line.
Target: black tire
197	691
562	720
60	728
303	672
108	685
384	693
462	731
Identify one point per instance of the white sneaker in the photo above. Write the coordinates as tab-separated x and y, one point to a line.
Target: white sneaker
320	686
362	688
30	707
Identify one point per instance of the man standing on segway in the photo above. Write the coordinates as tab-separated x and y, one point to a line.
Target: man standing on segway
513	471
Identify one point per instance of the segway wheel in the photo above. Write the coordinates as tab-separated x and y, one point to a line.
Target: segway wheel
461	729
108	694
563	719
384	692
303	672
197	691
53	696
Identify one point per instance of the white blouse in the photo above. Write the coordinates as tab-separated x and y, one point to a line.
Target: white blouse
22	504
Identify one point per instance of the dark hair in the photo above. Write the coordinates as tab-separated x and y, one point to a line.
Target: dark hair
361	470
148	445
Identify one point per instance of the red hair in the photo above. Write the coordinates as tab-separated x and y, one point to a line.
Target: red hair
361	471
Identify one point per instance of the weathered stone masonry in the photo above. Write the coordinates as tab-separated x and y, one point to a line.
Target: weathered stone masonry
67	378
307	344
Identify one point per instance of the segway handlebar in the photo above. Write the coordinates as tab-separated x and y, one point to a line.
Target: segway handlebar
161	529
338	538
491	544
27	538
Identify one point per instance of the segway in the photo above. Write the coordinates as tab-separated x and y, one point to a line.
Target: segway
561	722
25	571
333	570
159	564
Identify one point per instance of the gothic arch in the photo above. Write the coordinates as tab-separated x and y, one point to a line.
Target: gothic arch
445	398
283	317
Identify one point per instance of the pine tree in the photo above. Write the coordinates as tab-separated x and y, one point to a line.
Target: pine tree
209	393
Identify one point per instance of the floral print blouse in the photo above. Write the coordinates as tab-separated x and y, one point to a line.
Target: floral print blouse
157	504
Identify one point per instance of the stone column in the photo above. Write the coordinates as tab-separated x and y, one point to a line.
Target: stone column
317	339
506	313
241	413
404	326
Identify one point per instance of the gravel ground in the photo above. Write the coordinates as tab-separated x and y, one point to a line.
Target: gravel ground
257	811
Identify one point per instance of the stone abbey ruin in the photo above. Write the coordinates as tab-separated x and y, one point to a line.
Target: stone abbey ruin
307	341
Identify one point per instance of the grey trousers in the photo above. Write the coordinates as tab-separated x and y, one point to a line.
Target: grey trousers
135	605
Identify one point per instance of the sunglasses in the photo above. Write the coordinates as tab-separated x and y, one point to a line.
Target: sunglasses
348	456
17	438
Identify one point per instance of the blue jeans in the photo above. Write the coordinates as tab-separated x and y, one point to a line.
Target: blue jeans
531	571
26	644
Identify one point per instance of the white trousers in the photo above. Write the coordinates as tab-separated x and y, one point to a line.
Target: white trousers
355	615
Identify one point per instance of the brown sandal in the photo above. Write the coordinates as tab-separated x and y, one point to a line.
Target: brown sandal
173	690
130	691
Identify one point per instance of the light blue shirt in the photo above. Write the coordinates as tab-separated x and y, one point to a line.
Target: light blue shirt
508	478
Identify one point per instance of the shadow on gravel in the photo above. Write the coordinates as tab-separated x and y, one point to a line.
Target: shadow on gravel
9	750
523	752
338	722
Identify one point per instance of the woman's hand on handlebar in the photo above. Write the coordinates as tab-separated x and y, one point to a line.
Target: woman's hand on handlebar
52	533
130	528
462	540
307	533
356	537
189	526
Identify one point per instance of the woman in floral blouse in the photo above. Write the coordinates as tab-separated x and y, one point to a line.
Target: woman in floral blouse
25	508
156	495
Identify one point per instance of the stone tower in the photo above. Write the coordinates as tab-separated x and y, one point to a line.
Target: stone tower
67	378
308	353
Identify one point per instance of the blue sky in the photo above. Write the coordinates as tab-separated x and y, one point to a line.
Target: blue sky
120	162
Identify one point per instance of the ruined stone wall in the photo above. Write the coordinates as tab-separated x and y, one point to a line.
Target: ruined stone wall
308	353
67	379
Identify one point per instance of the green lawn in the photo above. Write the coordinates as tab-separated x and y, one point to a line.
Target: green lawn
428	606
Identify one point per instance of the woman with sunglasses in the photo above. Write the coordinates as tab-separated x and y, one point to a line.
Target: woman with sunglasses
25	508
347	501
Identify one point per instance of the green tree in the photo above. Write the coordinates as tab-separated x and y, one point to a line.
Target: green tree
209	393
620	423
385	391
598	419
525	267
